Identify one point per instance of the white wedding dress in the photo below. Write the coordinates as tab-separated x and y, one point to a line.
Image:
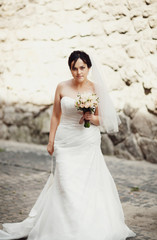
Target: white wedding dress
80	202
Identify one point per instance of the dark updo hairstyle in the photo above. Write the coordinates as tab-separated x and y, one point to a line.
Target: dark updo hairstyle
75	55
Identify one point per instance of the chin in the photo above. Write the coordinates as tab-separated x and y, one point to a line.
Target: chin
80	79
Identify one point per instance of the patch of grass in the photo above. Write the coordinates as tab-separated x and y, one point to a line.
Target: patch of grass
135	189
2	150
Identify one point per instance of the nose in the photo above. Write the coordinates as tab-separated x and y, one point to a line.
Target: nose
79	71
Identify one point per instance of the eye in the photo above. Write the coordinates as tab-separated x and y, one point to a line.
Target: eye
74	69
82	67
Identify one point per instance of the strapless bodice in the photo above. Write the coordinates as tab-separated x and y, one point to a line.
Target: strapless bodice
70	115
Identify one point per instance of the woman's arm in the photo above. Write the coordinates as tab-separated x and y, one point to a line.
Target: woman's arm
55	119
94	118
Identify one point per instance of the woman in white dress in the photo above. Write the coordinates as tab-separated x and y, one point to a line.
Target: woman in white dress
80	202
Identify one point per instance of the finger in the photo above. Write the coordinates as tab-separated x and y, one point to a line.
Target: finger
81	121
88	114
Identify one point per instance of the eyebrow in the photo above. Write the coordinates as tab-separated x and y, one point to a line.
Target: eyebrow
79	67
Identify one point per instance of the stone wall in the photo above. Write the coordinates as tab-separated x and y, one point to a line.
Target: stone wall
36	38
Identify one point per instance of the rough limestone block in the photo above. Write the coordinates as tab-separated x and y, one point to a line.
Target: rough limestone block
110	27
134	4
9	116
121	152
146	34
3	131
133	95
55	6
134	71
1	113
28	108
118	98
146	14
90	15
120	11
85	29
3	35
130	110
135	12
148	2
113	79
139	24
121	26
145	124
152	21
42	121
132	147
154	34
148	148
23	34
149	47
149	79
96	28
124	130
129	75
23	134
13	132
46	123
151	65
134	50
118	40
151	102
114	57
71	5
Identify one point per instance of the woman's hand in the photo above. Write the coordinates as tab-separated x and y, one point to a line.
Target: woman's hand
81	120
94	119
50	148
86	116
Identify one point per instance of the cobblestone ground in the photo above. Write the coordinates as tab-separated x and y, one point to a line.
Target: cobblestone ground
26	167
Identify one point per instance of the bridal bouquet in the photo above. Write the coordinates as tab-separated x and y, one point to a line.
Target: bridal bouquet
86	102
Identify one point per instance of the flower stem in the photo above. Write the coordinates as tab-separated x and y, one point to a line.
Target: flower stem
86	123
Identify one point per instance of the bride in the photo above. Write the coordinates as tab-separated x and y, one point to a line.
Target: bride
80	202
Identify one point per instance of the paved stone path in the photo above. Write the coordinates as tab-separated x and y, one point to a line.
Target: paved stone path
26	167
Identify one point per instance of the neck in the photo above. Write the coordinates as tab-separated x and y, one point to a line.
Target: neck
79	84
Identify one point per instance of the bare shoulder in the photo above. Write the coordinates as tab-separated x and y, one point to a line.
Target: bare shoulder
64	83
62	87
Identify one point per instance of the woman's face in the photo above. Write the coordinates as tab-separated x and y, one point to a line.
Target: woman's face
79	71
